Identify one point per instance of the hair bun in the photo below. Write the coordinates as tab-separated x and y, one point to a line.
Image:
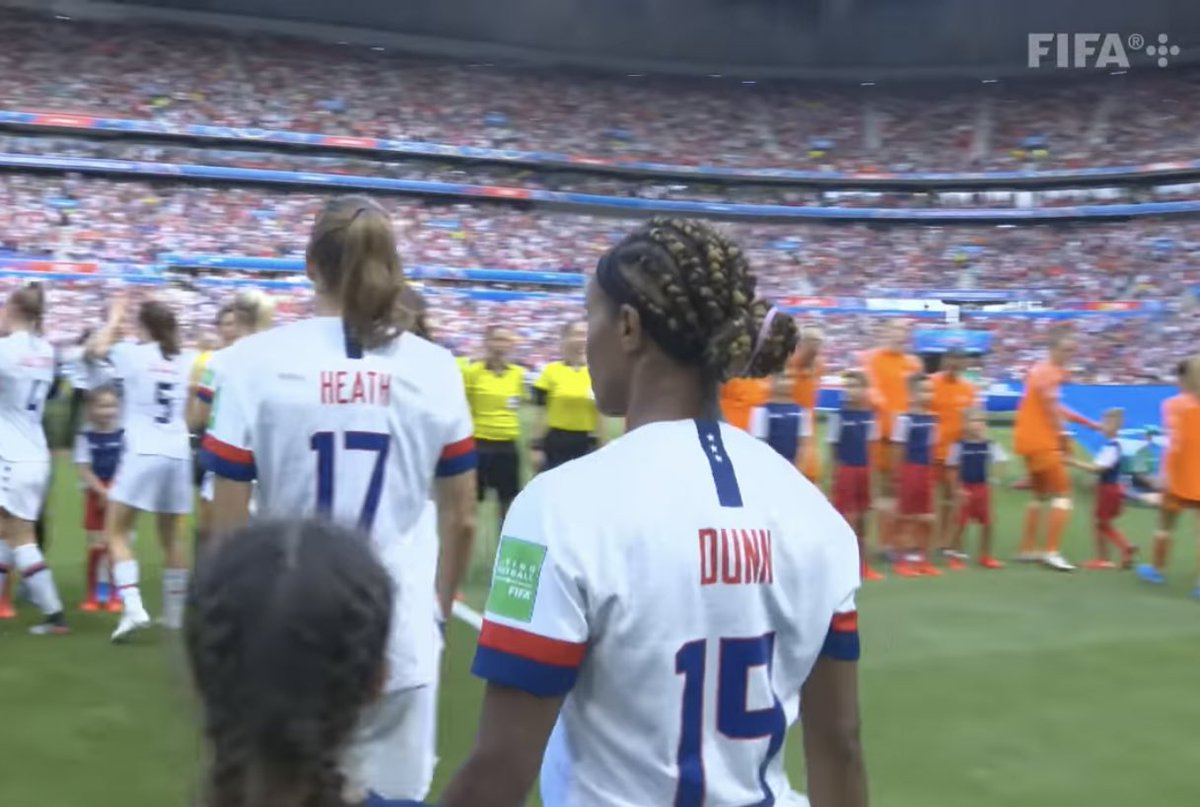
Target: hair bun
775	335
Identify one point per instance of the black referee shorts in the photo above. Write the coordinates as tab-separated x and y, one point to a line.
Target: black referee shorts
499	469
561	446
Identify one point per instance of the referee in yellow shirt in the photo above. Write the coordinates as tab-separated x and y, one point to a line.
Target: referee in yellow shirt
495	391
567	418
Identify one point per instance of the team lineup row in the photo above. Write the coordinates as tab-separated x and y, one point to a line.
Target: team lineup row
353	417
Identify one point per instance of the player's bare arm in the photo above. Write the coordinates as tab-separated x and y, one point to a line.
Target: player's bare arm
456	508
514	728
837	774
231	505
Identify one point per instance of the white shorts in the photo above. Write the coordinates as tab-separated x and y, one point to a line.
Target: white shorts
394	751
23	488
153	484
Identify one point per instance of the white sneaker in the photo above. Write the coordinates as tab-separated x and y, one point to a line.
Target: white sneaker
1058	562
1031	557
131	621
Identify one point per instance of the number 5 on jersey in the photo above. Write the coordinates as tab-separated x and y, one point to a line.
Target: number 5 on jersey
325	444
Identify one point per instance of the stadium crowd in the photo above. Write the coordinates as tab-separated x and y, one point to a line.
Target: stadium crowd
526	178
86	218
182	77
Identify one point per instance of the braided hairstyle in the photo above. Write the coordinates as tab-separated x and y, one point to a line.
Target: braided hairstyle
695	293
287	624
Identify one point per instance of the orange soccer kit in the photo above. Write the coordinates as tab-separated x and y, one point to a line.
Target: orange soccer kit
1038	439
806	388
1181	460
953	395
888	372
739	396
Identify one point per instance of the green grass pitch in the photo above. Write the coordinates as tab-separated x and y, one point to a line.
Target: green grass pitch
1017	688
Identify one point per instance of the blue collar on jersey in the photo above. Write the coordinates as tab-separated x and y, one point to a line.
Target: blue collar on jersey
354	348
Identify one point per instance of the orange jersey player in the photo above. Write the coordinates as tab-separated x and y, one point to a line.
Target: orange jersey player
888	369
1039	440
739	396
1181	468
808	367
953	397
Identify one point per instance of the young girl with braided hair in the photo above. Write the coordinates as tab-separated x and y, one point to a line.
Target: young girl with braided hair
683	564
286	629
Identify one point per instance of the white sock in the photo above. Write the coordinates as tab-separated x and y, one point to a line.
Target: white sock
125	578
29	561
175	585
6	561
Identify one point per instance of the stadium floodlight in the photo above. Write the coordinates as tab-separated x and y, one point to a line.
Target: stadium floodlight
866	83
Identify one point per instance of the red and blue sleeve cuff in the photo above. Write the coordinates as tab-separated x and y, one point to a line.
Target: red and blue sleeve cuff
226	461
204	394
535	664
841	643
457	458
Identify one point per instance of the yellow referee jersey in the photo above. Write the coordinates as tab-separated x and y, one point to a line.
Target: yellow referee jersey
570	405
495	400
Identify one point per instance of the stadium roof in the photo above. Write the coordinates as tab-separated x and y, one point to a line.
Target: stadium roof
822	38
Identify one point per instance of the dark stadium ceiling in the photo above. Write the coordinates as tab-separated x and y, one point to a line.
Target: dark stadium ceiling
835	38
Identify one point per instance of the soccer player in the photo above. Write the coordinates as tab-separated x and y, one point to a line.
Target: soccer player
566	423
850	432
1039	439
98	449
888	369
808	367
1180	469
495	392
781	422
914	438
26	374
155	474
1110	497
287	647
953	396
250	312
671	600
739	396
348	417
971	459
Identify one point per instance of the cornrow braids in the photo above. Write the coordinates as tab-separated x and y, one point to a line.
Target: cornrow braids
286	632
695	292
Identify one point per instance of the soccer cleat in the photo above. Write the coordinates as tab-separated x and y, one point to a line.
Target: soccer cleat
1097	564
89	606
6	610
1057	562
927	569
905	569
989	562
870	574
113	606
1150	574
131	621
54	625
955	564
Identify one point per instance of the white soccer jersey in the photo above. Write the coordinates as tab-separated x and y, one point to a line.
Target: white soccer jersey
155	389
328	429
26	375
677	586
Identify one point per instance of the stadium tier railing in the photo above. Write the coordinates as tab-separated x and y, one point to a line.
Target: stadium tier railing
591	202
252	269
549	159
